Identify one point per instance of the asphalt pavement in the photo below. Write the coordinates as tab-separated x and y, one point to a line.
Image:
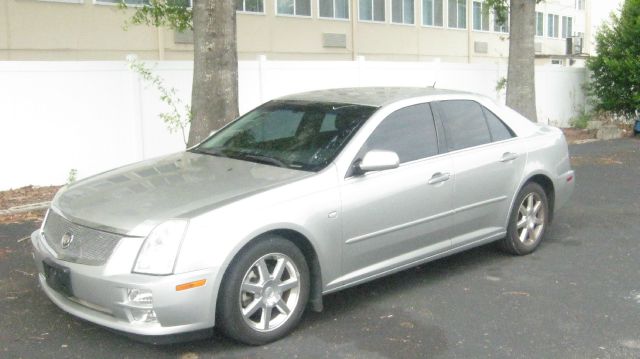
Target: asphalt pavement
578	296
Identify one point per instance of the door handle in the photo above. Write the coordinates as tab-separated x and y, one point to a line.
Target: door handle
439	177
508	156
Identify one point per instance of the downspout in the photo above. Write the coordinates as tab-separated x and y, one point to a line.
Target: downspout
354	52
160	43
469	26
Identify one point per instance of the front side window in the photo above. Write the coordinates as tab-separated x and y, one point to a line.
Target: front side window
432	12
294	7
552	25
371	10
539	24
293	134
409	132
336	9
402	11
567	26
480	16
250	6
458	14
464	124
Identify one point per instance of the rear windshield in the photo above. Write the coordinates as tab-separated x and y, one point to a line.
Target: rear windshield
294	134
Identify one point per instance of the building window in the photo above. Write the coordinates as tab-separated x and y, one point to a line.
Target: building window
567	26
580	4
128	2
250	5
335	9
500	26
432	12
539	24
552	25
294	7
371	10
402	11
458	14
480	16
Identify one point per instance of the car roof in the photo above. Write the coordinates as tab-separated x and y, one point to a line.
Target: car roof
369	96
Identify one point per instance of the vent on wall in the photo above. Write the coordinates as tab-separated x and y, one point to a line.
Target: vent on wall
480	47
183	37
538	47
334	40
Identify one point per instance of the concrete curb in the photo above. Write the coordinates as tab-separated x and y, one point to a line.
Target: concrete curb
25	208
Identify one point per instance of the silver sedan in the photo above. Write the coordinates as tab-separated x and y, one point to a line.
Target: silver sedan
303	196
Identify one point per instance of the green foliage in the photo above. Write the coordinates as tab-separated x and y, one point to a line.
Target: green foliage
581	121
72	176
179	115
174	14
501	84
616	69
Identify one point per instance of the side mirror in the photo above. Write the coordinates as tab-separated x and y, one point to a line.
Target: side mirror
377	160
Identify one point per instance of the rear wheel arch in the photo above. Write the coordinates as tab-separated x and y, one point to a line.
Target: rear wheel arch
547	185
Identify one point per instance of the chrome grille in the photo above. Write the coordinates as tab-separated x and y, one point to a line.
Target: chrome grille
89	246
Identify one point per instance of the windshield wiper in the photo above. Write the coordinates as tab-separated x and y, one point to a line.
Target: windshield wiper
262	159
211	152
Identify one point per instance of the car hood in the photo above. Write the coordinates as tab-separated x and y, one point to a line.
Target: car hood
133	199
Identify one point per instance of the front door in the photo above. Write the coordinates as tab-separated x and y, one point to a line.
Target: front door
398	216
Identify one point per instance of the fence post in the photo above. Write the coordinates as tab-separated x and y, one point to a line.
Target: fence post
262	60
136	109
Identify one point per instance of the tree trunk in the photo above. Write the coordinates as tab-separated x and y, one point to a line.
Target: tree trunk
521	89
214	100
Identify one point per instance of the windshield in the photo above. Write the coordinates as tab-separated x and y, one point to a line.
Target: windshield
293	134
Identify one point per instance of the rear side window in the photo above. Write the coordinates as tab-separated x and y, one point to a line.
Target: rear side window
499	131
464	124
410	132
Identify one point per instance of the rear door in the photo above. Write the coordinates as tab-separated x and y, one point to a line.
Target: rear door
487	164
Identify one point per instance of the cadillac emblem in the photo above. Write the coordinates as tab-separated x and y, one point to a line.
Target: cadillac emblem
66	240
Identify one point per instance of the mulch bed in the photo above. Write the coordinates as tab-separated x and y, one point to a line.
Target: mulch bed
22	196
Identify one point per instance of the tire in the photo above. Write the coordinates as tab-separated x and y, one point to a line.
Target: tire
528	221
256	305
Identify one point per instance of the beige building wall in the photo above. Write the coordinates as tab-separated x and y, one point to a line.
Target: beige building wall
85	30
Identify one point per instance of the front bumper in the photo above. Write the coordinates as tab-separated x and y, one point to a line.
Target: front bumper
100	293
564	184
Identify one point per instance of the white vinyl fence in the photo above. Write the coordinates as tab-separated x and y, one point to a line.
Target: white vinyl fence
93	116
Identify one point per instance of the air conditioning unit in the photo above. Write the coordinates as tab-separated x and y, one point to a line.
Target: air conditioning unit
574	45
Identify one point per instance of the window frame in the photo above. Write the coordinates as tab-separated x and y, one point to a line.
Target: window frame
275	5
555	26
433	12
566	20
457	27
64	1
403	13
348	18
263	12
489	15
542	23
373	20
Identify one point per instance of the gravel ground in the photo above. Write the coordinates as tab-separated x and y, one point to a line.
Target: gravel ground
578	296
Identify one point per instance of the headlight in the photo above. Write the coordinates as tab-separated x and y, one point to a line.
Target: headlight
160	250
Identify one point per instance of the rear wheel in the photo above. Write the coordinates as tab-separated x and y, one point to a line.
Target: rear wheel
528	220
264	294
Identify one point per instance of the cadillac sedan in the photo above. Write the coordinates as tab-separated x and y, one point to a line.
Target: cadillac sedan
303	196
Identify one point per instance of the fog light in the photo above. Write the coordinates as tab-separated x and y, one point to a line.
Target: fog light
140	296
144	315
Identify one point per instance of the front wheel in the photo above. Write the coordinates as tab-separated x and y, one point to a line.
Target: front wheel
528	220
264	294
